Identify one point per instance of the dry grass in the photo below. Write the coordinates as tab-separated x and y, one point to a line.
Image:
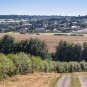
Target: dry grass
74	80
30	80
51	41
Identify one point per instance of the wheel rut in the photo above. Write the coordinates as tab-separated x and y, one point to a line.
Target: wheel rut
82	81
64	81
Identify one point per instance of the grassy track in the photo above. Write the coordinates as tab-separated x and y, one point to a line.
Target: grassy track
74	81
85	75
54	81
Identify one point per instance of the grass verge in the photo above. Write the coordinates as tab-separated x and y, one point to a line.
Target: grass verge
54	81
74	81
85	75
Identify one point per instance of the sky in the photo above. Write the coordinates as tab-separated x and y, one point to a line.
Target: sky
43	7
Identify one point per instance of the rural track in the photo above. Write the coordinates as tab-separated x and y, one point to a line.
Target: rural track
82	81
64	81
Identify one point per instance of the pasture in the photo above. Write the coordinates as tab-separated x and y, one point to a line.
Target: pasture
50	40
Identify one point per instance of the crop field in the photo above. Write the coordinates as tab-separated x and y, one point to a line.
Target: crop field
30	80
50	40
46	80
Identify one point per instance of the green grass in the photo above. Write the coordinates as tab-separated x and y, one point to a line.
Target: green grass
13	33
51	34
74	81
54	33
85	75
54	81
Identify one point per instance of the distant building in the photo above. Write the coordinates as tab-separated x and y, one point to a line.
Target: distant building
39	29
54	30
74	27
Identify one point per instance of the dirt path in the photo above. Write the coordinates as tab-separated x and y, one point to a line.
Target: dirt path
64	81
82	81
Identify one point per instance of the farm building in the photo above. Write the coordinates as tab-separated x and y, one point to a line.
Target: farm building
84	31
39	29
73	27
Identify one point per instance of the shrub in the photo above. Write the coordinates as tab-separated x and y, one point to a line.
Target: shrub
22	63
37	64
6	67
6	44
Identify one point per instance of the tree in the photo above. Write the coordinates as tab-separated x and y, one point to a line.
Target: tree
63	51
21	46
6	44
37	47
84	52
68	52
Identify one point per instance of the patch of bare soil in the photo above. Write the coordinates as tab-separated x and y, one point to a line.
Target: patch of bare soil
30	80
82	81
64	81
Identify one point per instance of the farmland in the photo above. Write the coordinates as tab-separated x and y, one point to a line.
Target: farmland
50	40
46	80
30	80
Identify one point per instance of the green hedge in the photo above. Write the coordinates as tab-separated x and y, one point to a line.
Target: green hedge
21	63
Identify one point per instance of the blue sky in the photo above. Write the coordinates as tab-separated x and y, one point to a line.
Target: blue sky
43	7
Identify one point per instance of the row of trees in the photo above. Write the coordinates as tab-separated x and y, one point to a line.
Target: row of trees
64	51
70	52
21	63
34	47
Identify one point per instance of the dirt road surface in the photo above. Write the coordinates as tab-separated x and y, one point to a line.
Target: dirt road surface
64	81
82	81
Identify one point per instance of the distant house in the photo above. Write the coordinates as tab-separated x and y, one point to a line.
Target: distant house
54	30
39	29
75	27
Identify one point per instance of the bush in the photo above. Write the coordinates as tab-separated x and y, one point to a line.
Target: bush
6	67
62	67
37	64
22	63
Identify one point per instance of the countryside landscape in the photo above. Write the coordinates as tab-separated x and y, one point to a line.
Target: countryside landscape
43	43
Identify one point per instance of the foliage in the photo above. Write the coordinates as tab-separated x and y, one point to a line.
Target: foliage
37	64
34	47
6	67
69	52
37	47
6	44
22	63
64	51
21	46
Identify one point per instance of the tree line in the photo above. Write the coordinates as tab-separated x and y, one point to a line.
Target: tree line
64	51
21	63
70	51
34	47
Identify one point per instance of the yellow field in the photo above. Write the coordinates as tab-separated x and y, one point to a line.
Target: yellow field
30	80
